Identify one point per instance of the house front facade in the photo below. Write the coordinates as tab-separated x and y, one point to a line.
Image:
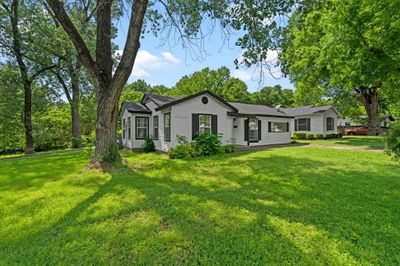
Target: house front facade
314	120
164	119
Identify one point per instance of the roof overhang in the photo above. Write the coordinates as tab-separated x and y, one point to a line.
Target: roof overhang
234	109
139	112
255	115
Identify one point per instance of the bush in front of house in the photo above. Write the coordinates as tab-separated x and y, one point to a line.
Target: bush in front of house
310	136
299	135
207	144
204	144
148	145
319	136
392	141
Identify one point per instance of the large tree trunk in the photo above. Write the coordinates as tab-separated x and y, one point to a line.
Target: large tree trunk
370	100
75	117
28	118
106	122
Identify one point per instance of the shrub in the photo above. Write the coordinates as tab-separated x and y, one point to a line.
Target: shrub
392	141
299	135
229	148
148	145
310	136
207	144
319	136
183	150
111	154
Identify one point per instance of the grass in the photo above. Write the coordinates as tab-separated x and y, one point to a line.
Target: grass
367	142
298	206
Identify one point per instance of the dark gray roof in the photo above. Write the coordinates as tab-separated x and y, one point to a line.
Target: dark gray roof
254	109
135	107
159	99
306	110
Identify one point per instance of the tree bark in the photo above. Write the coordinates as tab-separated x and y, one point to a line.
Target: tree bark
75	116
370	100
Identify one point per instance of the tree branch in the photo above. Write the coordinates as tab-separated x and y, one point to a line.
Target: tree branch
64	85
69	27
132	44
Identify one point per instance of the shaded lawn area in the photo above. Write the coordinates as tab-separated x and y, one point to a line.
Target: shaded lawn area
368	142
297	205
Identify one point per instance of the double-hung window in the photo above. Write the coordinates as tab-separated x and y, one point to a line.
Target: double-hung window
123	128
155	127
278	127
205	123
167	126
142	127
303	124
129	127
330	123
253	129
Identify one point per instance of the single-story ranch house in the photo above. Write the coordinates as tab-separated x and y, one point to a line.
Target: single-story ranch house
314	120
164	118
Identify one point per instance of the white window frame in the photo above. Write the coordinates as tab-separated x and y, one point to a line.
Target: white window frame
156	132
205	128
129	127
255	137
123	128
274	128
137	127
305	124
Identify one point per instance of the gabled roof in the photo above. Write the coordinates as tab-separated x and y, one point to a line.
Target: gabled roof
176	101
157	99
308	110
135	108
245	109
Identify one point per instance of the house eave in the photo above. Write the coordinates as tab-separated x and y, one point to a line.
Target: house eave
236	114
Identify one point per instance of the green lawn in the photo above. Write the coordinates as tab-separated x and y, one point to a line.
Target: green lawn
368	142
297	205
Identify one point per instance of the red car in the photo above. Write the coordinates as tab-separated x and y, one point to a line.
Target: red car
356	131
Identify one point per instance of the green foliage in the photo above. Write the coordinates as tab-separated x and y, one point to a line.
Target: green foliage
207	144
299	135
392	141
274	96
218	81
319	136
310	136
148	145
52	129
111	154
183	150
228	148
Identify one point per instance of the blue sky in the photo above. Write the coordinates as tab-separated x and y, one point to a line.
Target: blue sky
160	64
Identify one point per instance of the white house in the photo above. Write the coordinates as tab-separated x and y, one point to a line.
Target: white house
314	120
164	118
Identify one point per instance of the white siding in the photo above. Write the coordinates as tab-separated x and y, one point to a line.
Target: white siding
326	114
181	117
267	138
317	123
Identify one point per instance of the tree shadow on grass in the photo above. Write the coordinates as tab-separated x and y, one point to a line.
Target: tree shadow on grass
269	210
369	142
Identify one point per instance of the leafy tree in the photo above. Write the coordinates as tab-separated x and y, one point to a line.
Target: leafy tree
218	81
185	18
346	45
22	30
274	96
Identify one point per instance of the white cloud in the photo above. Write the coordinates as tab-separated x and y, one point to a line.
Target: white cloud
241	74
146	62
171	58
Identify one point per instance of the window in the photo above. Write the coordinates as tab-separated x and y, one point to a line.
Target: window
142	127
167	127
330	123
278	127
204	100
253	129
123	128
129	127
205	123
155	127
302	124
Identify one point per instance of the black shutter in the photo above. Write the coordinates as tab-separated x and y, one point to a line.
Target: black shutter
259	129
214	124
287	127
296	125
246	129
195	125
308	124
269	127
